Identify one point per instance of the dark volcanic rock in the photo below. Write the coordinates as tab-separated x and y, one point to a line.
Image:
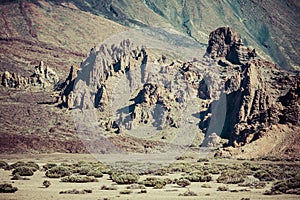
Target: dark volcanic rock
255	91
224	42
291	101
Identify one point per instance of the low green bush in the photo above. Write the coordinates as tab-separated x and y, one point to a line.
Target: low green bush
46	183
223	188
206	185
23	171
143	191
182	182
112	187
126	192
7	188
79	179
49	166
74	191
168	181
18	177
124	178
263	175
4	165
290	186
198	176
30	164
188	193
153	182
96	173
58	172
135	186
231	177
203	160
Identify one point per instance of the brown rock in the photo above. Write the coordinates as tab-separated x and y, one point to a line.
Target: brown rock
225	42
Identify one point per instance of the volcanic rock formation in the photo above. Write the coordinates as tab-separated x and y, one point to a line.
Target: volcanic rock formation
256	93
253	91
43	76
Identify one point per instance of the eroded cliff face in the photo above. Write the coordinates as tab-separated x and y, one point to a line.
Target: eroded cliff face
122	75
256	92
235	93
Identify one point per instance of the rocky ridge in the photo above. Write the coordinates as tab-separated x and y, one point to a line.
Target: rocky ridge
258	94
43	76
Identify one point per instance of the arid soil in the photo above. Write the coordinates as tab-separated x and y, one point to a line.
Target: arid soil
34	189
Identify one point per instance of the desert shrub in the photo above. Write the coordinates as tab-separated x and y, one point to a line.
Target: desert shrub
259	185
179	167
206	185
30	164
223	188
231	177
182	182
7	188
23	171
188	193
84	170
254	167
33	165
106	170
126	192
58	172
213	170
203	160
79	179
18	164
135	186
160	172
198	176
153	182
95	172
112	187
143	191
4	165
185	157
46	183
290	186
168	181
18	177
124	178
49	166
74	191
158	186
254	184
263	175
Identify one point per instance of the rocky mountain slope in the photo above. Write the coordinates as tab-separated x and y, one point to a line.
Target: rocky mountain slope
59	35
270	26
256	94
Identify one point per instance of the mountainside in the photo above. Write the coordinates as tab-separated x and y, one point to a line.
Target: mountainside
59	35
271	26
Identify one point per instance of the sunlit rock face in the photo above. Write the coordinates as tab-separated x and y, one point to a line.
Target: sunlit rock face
235	94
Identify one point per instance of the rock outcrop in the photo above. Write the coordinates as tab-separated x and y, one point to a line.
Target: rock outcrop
42	76
253	91
291	103
225	42
147	96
